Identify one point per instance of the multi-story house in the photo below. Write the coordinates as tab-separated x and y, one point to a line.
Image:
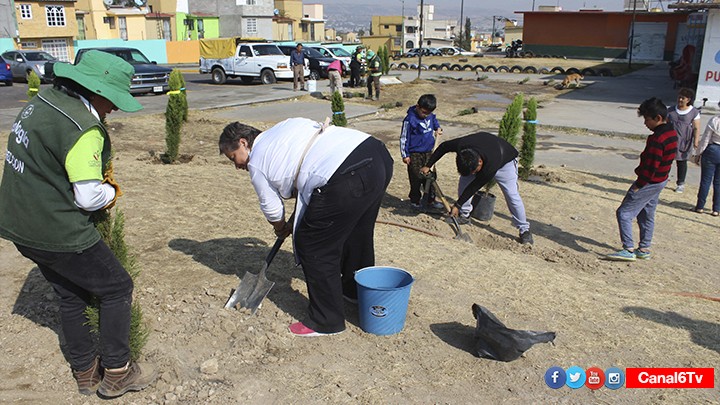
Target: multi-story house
312	24
238	18
197	25
286	21
119	20
387	27
48	25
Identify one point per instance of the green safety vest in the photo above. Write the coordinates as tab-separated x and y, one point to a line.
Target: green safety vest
37	204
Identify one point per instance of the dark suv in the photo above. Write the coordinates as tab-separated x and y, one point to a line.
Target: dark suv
148	77
318	63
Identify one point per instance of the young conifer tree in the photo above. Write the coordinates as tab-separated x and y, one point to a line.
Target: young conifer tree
338	108
174	117
33	84
527	150
509	126
112	232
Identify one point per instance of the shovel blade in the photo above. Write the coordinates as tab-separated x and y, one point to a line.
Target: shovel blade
244	290
261	290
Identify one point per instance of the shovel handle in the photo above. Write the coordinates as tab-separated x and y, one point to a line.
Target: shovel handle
271	255
441	195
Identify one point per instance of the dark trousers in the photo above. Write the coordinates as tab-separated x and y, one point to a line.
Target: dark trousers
334	238
354	75
77	277
376	81
417	180
681	171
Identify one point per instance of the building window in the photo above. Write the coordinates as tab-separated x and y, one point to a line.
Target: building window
57	48
55	16
303	27
387	26
110	21
398	28
28	45
397	41
251	2
26	12
252	25
81	26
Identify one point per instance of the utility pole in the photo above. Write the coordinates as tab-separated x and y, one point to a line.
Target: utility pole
402	36
422	7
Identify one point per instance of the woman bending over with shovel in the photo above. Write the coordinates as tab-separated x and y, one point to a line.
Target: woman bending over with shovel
338	176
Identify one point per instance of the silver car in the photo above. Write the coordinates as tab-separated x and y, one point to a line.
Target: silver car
22	62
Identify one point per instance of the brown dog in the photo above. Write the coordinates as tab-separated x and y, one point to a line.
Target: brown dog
574	77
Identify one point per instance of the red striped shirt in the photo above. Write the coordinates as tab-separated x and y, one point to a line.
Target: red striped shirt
656	160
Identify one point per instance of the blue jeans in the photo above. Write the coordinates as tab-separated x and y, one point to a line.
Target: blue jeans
640	204
77	277
709	173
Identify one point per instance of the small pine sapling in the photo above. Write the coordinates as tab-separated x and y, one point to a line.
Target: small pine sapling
33	84
338	108
529	139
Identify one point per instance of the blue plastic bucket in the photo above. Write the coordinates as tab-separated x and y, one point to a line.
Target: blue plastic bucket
383	296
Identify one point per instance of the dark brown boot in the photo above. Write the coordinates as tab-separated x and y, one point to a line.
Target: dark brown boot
88	381
137	377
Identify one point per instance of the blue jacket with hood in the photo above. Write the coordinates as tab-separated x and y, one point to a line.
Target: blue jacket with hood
417	134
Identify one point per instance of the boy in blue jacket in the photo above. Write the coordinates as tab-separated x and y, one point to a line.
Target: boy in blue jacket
417	141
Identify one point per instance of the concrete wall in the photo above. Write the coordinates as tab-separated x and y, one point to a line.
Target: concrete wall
7	44
590	34
233	18
155	49
183	51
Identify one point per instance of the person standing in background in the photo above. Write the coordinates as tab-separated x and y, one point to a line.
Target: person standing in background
297	64
686	120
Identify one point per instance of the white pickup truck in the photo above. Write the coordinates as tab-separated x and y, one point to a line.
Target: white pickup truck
229	57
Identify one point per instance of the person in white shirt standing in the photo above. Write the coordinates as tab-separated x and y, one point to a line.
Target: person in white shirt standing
339	176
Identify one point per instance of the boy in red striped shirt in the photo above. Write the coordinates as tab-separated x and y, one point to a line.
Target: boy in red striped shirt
652	174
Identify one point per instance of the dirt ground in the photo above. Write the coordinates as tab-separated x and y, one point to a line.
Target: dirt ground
195	228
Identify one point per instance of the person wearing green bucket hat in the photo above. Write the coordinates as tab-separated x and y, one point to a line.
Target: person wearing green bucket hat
375	71
57	174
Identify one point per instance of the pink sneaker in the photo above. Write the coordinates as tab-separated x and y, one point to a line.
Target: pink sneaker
299	329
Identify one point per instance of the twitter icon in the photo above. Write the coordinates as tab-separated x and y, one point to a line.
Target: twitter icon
575	377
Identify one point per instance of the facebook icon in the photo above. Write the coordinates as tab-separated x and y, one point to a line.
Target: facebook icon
555	377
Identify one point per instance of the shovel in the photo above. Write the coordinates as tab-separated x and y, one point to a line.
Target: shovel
459	234
254	288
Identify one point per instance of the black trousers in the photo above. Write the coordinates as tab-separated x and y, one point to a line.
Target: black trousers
334	238
681	171
76	277
354	75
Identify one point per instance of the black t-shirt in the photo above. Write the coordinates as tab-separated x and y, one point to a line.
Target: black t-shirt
494	151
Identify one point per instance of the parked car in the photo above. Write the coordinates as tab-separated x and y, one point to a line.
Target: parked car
229	57
415	52
454	51
148	77
317	62
23	62
6	75
335	52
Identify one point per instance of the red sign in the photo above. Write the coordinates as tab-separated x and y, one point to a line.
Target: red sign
670	378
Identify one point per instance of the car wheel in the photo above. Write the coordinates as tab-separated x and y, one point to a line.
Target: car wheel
218	76
314	75
267	76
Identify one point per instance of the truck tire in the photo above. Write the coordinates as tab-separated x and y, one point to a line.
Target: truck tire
218	76
267	76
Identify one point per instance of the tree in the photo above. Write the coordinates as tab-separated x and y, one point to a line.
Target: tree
112	232
465	40
509	126
175	114
338	108
384	55
527	150
33	84
361	32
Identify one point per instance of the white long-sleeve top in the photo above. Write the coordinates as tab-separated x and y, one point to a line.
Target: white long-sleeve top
276	153
711	134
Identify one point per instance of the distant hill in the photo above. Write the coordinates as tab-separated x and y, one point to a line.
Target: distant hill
351	16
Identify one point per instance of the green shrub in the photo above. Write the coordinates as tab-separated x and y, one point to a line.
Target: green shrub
510	126
175	115
338	108
529	139
33	84
112	232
